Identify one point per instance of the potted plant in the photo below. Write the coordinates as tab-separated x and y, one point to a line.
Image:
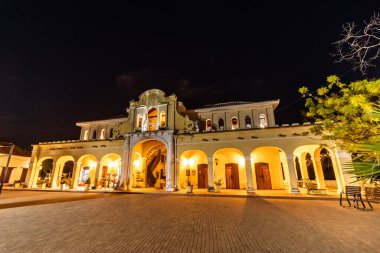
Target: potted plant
63	184
189	186
218	183
44	183
87	184
17	183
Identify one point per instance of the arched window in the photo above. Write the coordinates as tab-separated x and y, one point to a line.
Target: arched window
262	120
162	119
208	125
310	167
111	133
103	134
85	137
327	167
248	122
298	169
234	123
152	119
139	121
221	124
94	135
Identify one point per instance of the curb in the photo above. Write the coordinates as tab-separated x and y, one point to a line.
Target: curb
215	195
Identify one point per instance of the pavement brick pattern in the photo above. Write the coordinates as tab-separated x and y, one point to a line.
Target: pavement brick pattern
144	223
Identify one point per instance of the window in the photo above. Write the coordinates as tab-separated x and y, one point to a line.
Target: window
310	167
111	133
208	125
234	123
85	137
93	135
162	119
248	122
152	119
103	134
262	120
298	169
221	124
327	167
139	121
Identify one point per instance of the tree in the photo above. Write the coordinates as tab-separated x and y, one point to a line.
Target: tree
360	47
349	115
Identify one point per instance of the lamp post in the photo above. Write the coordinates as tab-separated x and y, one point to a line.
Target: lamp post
5	170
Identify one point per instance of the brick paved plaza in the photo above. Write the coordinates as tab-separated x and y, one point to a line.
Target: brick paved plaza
85	222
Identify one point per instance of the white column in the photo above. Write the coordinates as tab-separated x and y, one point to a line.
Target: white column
124	177
55	174
177	174
76	174
169	167
293	188
248	169
210	173
318	173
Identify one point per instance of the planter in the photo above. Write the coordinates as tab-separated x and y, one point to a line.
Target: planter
189	188
63	186
318	191
17	185
217	188
87	187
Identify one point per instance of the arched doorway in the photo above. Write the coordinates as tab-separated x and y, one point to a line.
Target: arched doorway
194	169
230	167
310	166
270	168
152	119
109	171
148	164
87	166
63	173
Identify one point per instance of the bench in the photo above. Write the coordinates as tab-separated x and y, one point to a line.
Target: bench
372	194
354	192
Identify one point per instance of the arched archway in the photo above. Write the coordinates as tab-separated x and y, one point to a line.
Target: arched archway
319	164
270	168
64	170
193	168
85	171
109	170
42	171
230	167
152	119
149	164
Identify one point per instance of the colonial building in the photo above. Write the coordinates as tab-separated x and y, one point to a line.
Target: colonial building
160	144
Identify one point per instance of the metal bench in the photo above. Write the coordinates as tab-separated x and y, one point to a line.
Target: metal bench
372	194
354	192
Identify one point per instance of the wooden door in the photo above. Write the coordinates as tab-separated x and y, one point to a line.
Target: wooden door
23	175
202	176
232	176
104	171
263	176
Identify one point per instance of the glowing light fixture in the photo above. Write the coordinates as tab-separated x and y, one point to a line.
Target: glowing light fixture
136	163
93	164
241	160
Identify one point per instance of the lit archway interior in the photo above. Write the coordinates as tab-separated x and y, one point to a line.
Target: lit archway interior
149	164
109	170
65	168
194	169
229	165
87	165
269	167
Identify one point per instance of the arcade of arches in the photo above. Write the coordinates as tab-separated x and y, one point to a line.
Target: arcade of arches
263	168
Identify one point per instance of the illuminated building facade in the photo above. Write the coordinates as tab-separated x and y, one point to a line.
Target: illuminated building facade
160	144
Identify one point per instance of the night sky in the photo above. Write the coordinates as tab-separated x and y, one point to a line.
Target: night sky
63	62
